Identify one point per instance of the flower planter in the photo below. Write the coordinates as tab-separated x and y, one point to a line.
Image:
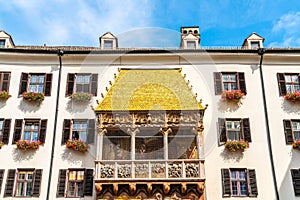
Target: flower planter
1	144
33	97
25	145
293	97
77	145
81	97
4	95
296	144
234	96
236	145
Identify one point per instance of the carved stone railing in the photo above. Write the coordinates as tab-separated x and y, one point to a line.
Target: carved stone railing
108	119
150	169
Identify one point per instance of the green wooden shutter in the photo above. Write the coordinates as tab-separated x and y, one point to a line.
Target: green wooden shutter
287	124
61	183
18	130
1	178
88	182
218	83
91	131
296	181
23	83
222	131
70	84
66	131
94	84
43	129
246	130
242	82
48	85
281	84
252	183
37	183
9	187
6	130
226	182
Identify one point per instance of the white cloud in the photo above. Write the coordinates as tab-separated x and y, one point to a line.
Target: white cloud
70	22
290	23
287	28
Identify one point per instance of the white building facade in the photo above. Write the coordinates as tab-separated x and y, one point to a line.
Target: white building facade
112	123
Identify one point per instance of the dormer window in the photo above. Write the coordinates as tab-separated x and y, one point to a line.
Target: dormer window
255	45
108	44
2	43
191	44
108	41
253	41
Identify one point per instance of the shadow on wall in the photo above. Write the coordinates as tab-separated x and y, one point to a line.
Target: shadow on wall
289	107
286	186
229	156
77	107
224	106
77	158
19	155
2	103
28	106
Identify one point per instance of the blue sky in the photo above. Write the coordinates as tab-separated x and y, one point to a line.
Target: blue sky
81	22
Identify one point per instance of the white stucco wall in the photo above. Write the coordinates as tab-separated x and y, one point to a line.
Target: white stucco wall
199	70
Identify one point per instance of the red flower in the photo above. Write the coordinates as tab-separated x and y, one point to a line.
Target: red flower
232	96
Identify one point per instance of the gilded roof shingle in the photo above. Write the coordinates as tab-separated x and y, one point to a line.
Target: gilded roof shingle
148	89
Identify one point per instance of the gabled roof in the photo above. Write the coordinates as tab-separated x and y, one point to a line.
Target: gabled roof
4	34
108	34
149	89
255	35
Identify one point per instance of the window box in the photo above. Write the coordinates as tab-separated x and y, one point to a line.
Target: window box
236	145
293	97
296	144
1	144
33	97
25	145
232	96
81	97
4	95
77	145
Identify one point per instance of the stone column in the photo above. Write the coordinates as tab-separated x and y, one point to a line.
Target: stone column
199	139
100	144
166	149
133	134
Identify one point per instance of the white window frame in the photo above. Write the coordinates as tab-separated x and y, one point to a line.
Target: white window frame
238	182
37	84
80	122
75	181
233	128
25	182
289	82
83	83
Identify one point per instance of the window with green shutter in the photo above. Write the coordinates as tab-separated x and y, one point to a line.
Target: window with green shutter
239	182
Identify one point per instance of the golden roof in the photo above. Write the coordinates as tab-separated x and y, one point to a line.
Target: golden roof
149	89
